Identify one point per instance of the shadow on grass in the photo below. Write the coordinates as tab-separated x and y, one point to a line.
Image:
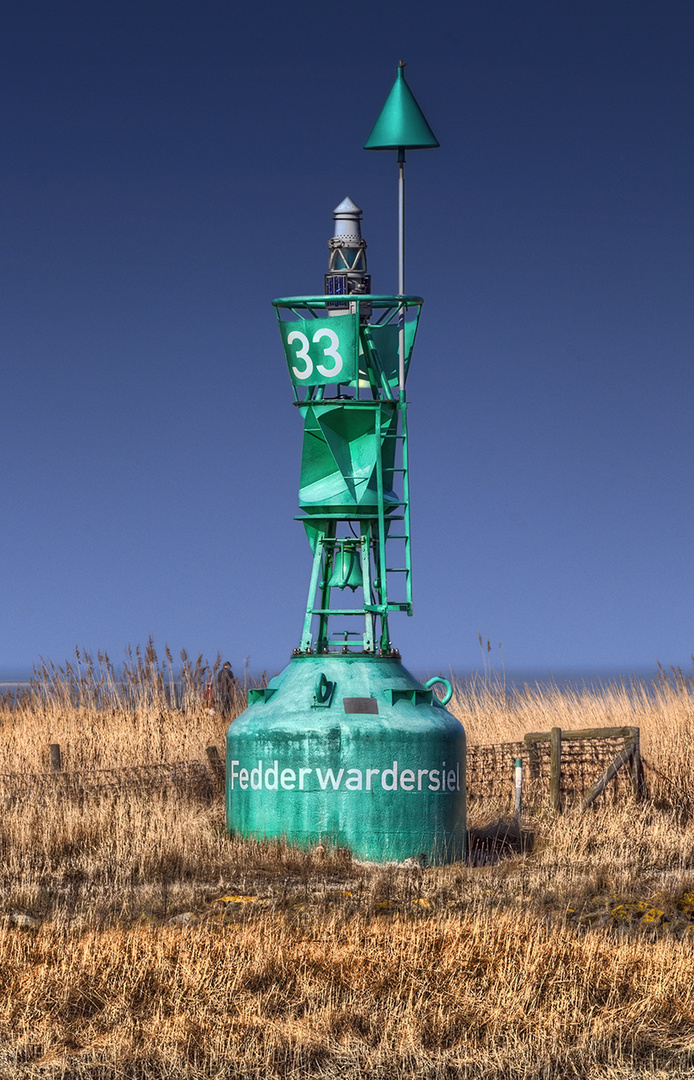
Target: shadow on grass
498	840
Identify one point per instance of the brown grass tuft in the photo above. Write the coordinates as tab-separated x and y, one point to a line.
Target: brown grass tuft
138	939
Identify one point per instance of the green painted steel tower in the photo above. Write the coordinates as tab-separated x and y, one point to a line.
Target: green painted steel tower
345	746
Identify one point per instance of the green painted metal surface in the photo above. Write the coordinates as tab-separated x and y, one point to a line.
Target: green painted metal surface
350	750
401	124
342	447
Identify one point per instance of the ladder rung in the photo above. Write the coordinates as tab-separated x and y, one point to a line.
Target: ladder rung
336	611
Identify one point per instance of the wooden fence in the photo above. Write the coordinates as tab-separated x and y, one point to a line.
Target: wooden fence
560	767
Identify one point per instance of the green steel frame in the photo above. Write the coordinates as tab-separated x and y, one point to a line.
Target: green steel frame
354	491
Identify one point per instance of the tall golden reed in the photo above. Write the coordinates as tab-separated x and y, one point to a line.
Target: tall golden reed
138	939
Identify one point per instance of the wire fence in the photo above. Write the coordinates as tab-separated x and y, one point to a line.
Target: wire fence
559	768
183	779
570	777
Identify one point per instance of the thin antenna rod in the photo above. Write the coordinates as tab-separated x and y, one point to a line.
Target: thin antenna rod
401	270
401	126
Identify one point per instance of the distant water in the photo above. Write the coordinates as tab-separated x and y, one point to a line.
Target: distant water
561	679
14	677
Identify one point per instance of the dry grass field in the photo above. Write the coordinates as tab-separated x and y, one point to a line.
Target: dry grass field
139	940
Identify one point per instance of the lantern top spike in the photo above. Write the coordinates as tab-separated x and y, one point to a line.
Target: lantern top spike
401	124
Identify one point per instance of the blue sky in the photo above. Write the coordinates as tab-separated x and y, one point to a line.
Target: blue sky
169	169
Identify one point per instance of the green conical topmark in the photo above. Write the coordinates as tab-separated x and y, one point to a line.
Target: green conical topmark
401	124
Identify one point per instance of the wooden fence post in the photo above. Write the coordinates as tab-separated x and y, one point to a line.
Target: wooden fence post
555	769
637	778
56	764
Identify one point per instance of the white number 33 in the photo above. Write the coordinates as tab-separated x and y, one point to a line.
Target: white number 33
302	353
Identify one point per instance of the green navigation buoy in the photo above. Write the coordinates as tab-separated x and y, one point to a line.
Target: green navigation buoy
345	746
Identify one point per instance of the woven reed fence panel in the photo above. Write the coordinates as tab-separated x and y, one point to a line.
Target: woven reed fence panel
186	779
491	770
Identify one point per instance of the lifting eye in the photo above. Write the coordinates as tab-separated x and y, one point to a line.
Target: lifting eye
448	692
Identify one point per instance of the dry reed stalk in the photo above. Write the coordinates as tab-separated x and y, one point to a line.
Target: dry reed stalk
503	998
146	713
663	710
335	968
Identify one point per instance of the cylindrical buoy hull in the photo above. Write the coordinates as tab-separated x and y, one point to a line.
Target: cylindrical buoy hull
352	750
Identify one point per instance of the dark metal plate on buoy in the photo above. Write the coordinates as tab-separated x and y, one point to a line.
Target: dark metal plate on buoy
360	705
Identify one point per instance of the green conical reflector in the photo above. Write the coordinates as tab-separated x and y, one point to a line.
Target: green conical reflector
401	124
